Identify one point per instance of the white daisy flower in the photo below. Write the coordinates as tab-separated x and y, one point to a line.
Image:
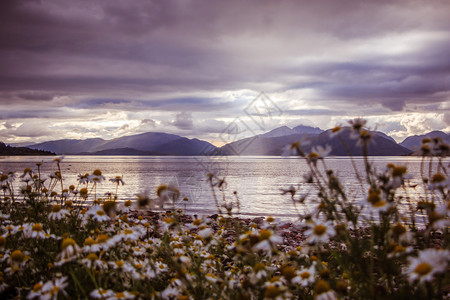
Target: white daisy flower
35	231
101	293
320	232
305	276
427	264
121	295
57	213
53	288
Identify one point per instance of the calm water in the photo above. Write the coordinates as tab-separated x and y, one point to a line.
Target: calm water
257	180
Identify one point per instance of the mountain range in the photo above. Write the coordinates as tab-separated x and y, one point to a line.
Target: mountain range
269	143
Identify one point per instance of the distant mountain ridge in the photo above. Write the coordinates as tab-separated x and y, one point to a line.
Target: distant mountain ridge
6	150
269	143
380	145
414	142
153	143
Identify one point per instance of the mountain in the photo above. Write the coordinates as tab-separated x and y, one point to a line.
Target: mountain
285	131
280	131
263	145
17	151
269	143
303	129
259	145
380	144
157	142
414	142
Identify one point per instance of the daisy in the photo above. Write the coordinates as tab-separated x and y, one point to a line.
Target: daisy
305	276
35	231
427	264
117	180
122	295
376	202
323	291
52	288
101	293
357	125
295	149
318	153
36	291
92	261
267	240
69	249
98	214
439	181
320	232
96	176
57	213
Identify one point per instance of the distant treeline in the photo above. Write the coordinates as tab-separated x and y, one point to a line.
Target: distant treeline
6	150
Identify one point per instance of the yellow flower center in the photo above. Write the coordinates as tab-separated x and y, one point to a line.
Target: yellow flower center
379	204
36	227
119	263
321	287
320	229
336	129
305	275
265	234
37	287
100	213
67	242
89	242
17	256
97	172
438	177
423	269
102	238
398	171
272	291
2	241
92	256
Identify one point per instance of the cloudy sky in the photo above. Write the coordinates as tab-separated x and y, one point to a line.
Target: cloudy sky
82	69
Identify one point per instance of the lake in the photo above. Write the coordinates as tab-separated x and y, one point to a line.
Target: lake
258	180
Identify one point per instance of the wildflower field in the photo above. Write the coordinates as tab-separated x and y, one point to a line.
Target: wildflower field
64	241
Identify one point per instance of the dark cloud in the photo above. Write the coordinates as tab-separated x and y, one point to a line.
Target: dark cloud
183	121
110	56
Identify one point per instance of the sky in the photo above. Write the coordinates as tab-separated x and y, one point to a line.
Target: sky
108	68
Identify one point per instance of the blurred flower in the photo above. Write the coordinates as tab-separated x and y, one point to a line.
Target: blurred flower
427	264
57	213
117	180
101	293
305	276
319	231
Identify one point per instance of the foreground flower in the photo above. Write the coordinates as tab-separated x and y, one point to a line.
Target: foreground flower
320	232
427	264
305	276
101	293
53	288
57	213
323	291
376	202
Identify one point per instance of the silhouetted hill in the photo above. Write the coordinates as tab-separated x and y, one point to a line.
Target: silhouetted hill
18	151
157	142
380	144
260	145
414	142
